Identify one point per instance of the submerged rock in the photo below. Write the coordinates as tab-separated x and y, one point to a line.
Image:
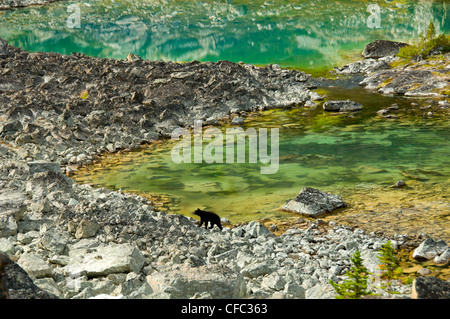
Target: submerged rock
237	121
342	106
399	184
314	203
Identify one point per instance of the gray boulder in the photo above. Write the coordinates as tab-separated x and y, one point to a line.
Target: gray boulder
255	229
40	166
135	287
443	258
7	246
46	182
320	291
104	260
273	281
295	290
429	249
12	209
12	203
35	265
314	203
255	270
371	260
382	48
86	229
54	239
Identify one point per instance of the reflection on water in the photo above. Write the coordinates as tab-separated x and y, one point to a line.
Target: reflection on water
302	33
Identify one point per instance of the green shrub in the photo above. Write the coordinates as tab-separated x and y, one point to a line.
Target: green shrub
390	266
429	43
356	285
389	262
408	52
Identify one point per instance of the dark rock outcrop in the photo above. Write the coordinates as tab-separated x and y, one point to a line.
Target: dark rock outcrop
84	93
414	79
430	288
381	48
16	284
388	74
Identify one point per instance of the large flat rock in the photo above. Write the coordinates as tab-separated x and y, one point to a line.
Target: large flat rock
313	202
104	260
215	280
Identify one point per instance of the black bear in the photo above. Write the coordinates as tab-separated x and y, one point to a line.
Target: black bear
206	217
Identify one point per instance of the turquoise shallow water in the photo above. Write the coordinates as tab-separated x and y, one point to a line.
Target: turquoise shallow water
316	149
311	34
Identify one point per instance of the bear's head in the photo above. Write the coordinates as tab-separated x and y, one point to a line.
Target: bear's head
198	210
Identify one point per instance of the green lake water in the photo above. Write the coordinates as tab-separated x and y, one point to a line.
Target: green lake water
308	34
335	153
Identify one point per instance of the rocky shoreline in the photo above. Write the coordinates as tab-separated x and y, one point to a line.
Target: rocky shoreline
12	4
424	78
58	112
